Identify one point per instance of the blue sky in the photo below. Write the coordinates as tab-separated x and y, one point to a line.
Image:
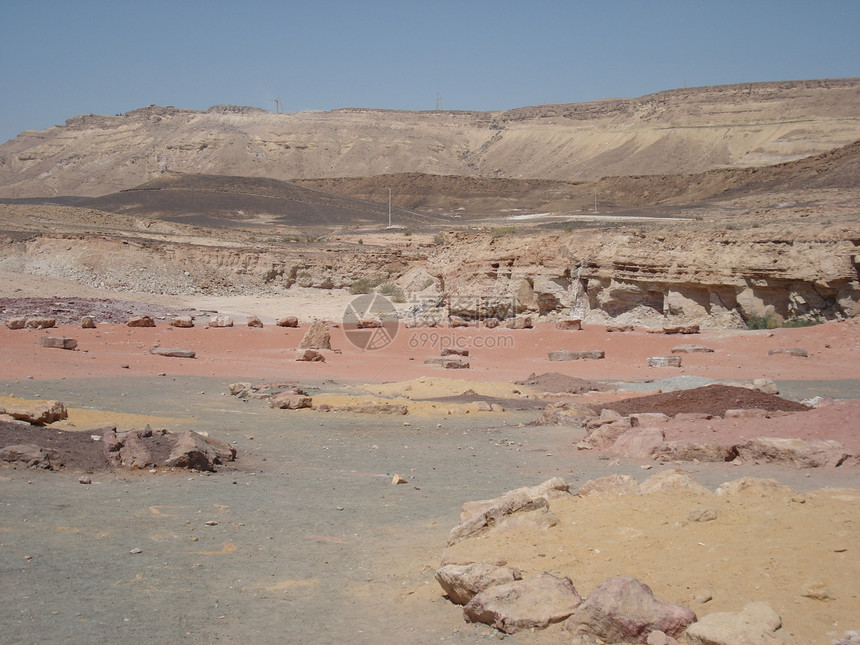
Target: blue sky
62	58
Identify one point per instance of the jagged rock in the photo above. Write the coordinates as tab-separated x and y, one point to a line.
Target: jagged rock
637	443
58	342
491	323
457	321
791	351
242	390
672	481
30	454
567	355
664	361
648	419
39	414
451	351
756	624
530	523
140	321
462	582
19	322
476	517
127	449
613	484
193	450
316	337
220	321
622	609
569	324
288	321
397	479
519	322
702	515
310	355
755	486
479	406
88	322
447	363
532	603
183	322
692	450
289	401
254	322
605	435
798	453
691	349
173	352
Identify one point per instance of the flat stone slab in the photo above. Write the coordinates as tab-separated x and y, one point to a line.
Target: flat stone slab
567	355
173	352
448	363
58	342
569	324
664	361
691	349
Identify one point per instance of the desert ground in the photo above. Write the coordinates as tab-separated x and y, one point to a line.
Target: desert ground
305	538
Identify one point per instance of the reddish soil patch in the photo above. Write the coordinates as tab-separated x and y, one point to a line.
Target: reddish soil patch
711	399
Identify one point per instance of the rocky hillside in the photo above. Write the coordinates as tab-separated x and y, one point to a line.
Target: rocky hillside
678	131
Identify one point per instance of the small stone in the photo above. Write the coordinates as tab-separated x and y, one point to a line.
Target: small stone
211	523
85	480
397	479
135	551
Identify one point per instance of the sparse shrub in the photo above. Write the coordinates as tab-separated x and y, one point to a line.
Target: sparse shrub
407	232
360	241
802	322
438	240
362	285
392	291
767	321
504	230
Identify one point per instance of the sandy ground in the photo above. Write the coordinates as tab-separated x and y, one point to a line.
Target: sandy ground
314	544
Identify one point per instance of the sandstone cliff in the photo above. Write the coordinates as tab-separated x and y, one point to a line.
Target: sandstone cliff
690	130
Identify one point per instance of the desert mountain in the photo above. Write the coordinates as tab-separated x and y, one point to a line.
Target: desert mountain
667	133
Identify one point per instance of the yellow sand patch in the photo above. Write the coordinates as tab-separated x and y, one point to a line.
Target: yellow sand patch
429	387
85	419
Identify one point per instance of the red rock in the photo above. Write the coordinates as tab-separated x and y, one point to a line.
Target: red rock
288	321
141	321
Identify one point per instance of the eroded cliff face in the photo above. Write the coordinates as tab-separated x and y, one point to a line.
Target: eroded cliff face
716	279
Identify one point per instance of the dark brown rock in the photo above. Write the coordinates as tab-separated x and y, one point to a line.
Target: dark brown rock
58	342
30	454
288	321
140	321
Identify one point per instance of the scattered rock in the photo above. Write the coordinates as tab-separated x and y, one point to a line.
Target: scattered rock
289	401
491	323
447	363
462	582
19	322
691	349
702	515
173	352
183	322
58	342
310	355
619	328
397	479
220	321
532	603
681	329
816	591
755	486
622	609
797	452
30	454
287	321
476	517
792	351
316	337
674	480
756	624
41	323
519	322
694	450
84	479
451	351
254	322
193	450
140	321
567	355
457	321
613	484
664	361
637	443
127	449
88	322
569	324
40	413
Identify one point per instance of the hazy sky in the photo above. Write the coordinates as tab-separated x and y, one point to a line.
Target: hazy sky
62	58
